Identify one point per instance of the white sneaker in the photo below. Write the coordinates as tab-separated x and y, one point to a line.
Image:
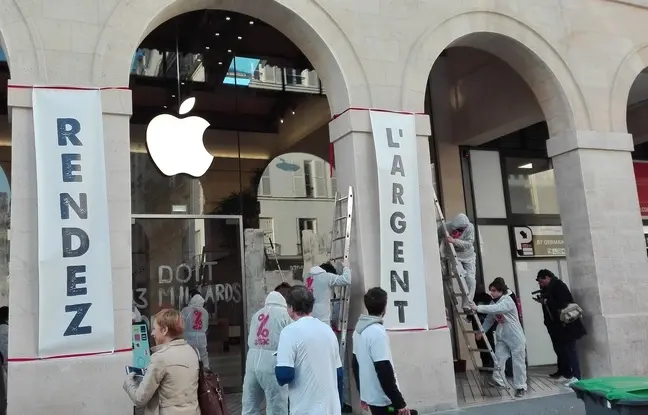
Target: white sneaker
571	381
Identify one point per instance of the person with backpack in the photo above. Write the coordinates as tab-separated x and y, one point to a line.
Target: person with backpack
263	339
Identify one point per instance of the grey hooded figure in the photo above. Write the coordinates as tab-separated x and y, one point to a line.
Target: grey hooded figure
260	381
462	234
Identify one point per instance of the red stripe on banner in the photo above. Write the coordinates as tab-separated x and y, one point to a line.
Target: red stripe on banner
402	330
376	110
66	356
72	88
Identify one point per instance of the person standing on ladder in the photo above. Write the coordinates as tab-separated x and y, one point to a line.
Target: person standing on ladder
462	237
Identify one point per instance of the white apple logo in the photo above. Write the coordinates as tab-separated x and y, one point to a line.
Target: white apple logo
176	144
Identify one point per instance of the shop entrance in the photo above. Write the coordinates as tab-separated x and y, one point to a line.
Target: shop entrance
175	254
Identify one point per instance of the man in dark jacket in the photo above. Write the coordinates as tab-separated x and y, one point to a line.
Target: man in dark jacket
554	298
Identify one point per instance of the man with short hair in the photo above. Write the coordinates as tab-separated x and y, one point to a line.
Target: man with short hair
308	359
372	361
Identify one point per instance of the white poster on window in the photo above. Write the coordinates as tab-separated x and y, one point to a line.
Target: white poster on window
75	314
402	270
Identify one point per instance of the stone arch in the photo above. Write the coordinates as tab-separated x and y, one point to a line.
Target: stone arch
526	51
16	30
631	66
304	22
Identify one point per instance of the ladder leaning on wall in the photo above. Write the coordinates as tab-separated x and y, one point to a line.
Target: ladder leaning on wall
340	246
453	276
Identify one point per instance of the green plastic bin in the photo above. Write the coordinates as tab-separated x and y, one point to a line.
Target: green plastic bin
618	395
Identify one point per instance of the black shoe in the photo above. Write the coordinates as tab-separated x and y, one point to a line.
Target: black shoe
520	393
346	409
556	375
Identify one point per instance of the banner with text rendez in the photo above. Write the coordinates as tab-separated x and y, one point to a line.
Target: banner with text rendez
402	271
75	314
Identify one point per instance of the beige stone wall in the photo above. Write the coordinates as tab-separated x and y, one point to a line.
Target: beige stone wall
578	58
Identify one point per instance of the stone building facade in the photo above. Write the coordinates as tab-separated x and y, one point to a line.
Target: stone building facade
579	59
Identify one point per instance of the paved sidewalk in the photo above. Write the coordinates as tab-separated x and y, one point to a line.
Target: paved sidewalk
563	404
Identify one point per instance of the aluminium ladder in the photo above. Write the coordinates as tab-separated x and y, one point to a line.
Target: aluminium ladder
340	246
453	274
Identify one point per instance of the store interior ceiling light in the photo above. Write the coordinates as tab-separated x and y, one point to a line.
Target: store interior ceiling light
526	166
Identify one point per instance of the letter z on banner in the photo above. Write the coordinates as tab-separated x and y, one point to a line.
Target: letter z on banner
75	301
402	270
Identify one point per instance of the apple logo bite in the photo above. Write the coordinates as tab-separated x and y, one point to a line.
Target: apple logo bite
176	144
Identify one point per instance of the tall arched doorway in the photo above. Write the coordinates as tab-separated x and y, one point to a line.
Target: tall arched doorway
261	97
493	101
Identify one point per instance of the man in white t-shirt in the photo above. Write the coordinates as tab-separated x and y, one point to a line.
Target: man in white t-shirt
372	361
308	359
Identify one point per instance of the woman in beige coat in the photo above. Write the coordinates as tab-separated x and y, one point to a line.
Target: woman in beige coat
170	385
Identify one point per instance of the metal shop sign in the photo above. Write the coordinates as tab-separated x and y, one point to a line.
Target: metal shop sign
539	241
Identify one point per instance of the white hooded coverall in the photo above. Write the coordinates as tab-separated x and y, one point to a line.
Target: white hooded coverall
260	380
196	322
510	338
320	283
464	246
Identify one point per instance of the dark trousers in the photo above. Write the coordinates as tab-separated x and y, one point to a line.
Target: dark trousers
563	368
385	410
570	361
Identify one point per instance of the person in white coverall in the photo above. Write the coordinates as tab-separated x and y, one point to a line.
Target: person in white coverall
511	341
319	282
196	322
260	380
462	237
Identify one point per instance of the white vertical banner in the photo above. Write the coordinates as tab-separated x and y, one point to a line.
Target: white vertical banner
402	270
75	301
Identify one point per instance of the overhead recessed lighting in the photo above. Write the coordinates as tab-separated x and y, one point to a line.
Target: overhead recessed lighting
229	50
526	166
216	34
207	47
220	63
251	21
240	37
182	83
165	106
293	112
172	95
281	120
227	18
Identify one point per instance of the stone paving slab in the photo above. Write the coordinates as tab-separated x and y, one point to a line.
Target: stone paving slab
563	404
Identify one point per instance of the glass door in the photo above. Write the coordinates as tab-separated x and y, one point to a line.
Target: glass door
174	256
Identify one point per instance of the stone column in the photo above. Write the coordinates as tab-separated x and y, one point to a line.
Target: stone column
423	359
606	251
85	385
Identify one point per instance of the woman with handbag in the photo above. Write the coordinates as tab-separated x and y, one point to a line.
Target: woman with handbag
170	384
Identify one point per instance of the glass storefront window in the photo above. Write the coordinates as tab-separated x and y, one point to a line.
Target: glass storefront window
173	256
296	194
531	186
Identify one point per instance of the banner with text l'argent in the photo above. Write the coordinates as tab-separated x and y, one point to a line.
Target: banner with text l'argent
402	268
75	314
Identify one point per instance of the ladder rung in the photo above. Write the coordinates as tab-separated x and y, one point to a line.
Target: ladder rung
480	350
343	199
487	369
339	238
340	218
